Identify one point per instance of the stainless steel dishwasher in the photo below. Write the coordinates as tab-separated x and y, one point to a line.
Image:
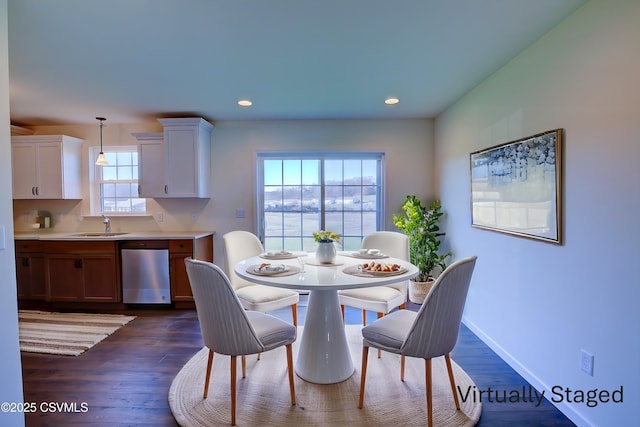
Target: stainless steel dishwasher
145	273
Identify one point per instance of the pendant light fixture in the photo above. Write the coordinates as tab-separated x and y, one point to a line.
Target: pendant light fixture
101	160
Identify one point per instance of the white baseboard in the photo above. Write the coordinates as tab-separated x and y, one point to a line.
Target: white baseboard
525	373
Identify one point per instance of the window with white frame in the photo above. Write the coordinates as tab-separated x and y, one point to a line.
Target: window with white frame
302	193
115	186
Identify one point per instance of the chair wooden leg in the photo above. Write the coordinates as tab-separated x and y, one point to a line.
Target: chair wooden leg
427	365
452	381
290	369
364	317
403	306
234	366
342	310
208	374
363	376
294	314
244	366
402	368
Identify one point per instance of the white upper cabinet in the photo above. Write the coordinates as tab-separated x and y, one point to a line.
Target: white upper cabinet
151	182
46	167
180	164
187	144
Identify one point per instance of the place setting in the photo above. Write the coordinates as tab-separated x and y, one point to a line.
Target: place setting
366	254
374	269
267	269
279	255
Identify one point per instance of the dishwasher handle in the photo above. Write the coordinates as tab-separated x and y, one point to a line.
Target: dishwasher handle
145	244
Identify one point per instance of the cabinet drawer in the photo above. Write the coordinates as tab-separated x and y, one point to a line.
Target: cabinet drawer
76	247
28	246
181	246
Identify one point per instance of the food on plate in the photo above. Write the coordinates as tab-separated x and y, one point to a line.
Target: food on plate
374	266
268	267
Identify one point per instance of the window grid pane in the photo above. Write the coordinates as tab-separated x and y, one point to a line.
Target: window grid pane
118	182
301	196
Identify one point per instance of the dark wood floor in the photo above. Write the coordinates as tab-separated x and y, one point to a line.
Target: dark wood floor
125	379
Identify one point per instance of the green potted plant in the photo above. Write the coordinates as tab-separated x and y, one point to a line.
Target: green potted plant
421	225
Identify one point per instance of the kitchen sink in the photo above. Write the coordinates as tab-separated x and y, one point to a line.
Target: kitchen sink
97	234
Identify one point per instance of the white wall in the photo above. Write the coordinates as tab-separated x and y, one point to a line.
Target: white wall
10	368
538	304
408	145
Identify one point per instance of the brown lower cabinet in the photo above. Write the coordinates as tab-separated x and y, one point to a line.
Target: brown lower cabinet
201	249
81	271
89	271
30	270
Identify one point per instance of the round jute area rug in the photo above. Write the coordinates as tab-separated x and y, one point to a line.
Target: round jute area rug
263	396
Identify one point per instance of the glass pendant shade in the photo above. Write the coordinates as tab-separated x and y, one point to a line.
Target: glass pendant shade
101	160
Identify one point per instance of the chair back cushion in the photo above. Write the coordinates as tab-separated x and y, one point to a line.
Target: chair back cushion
223	322
239	245
391	243
435	329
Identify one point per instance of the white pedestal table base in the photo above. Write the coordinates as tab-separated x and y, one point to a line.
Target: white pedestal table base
323	356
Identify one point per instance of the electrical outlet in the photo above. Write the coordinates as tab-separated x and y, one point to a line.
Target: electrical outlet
586	362
160	217
194	217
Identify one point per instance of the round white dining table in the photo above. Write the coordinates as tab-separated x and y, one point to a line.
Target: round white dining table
323	355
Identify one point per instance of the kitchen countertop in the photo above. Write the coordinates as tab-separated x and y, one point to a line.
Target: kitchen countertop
121	236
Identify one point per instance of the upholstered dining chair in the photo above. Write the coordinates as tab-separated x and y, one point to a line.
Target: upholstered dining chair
239	245
227	328
430	332
381	299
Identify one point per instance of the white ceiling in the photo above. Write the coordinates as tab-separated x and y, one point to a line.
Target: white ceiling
136	60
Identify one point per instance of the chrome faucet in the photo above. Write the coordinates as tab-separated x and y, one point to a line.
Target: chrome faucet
107	223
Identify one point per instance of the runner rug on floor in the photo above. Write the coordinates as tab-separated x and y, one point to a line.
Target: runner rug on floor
264	400
68	334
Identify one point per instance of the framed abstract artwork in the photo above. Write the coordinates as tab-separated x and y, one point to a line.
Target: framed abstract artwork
516	187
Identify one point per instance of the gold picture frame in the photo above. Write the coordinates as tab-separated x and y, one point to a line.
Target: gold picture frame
516	187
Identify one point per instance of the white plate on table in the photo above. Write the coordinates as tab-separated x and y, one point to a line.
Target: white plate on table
278	255
366	255
273	269
357	270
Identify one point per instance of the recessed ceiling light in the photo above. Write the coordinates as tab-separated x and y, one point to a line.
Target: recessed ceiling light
245	103
391	101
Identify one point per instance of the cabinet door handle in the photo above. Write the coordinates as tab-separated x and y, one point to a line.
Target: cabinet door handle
37	194
166	189
25	262
33	191
139	190
78	263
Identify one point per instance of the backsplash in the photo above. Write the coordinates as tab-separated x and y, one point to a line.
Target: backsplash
70	216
